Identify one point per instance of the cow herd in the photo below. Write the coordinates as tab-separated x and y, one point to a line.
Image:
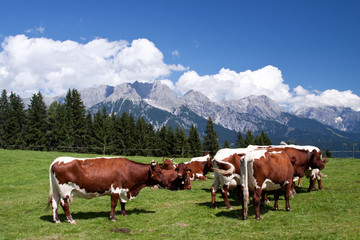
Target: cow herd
258	169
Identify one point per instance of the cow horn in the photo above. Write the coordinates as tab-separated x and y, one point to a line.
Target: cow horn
153	163
325	160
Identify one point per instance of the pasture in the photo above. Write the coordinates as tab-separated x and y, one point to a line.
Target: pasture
333	213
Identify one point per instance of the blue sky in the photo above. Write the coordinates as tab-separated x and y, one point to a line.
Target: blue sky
311	44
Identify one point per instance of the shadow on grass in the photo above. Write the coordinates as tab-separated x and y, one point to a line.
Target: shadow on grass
237	213
92	215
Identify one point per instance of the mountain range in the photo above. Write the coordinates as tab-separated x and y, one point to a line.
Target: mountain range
328	127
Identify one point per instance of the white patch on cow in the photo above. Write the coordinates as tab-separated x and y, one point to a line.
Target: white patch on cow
72	189
123	194
199	159
268	185
199	175
227	152
295	178
70	159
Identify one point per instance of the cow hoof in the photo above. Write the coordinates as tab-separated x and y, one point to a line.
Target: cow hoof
320	189
300	185
73	222
288	209
57	222
258	218
230	208
113	219
243	218
275	209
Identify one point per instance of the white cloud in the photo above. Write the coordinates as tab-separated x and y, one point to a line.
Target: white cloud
230	85
30	64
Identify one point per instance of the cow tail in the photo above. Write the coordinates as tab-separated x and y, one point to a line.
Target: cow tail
231	170
51	189
244	185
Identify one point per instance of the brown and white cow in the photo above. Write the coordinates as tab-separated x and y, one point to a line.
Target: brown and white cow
265	170
199	167
226	174
223	161
120	178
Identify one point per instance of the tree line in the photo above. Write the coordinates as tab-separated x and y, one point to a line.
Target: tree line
68	127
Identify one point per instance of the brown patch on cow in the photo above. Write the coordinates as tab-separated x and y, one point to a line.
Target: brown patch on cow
120	230
181	224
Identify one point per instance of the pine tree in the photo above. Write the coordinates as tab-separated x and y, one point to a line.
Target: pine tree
141	136
211	143
170	142
15	122
78	119
4	111
102	128
57	128
118	142
36	123
68	126
240	142
249	139
161	142
262	139
195	142
88	134
226	144
182	145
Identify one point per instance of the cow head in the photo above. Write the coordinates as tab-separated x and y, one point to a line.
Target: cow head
184	175
208	166
157	176
316	159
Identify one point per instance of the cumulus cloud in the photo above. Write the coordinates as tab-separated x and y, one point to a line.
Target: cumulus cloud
231	85
30	64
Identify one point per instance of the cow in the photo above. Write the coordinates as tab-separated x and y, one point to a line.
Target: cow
227	175
265	170
230	181
314	175
301	157
168	164
120	178
199	167
178	178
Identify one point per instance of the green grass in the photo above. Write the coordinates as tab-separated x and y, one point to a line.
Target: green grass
333	213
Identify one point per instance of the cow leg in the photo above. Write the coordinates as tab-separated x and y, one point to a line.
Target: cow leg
123	212
292	189
319	184
64	202
276	199
54	203
213	195
256	202
287	196
244	204
299	183
225	192
114	201
264	198
312	185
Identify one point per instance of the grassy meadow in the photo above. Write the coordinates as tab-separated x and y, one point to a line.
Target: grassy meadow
333	213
